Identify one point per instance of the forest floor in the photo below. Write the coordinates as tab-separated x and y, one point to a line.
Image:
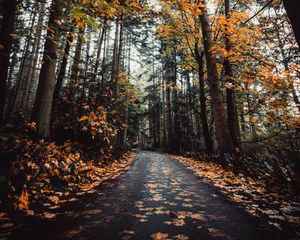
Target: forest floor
156	198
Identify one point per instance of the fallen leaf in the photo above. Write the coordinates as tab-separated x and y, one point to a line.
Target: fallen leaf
159	236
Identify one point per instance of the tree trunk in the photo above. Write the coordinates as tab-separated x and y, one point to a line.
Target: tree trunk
168	110
9	83
176	126
35	64
114	59
292	8
119	55
223	138
285	61
6	40
76	64
23	80
164	119
207	139
63	67
232	113
84	81
43	102
97	64
33	60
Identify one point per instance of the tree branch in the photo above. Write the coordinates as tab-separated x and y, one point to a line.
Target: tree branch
263	8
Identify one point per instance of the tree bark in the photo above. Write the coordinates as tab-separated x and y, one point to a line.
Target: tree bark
63	67
6	40
292	8
169	128
76	64
119	56
223	138
207	139
43	102
23	80
232	113
97	64
114	58
33	60
164	111
285	61
35	64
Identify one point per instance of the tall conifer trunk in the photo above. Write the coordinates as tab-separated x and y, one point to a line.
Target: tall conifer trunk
232	113
6	40
203	115
43	102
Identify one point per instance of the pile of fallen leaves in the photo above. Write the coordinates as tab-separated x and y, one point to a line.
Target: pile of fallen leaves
37	174
254	194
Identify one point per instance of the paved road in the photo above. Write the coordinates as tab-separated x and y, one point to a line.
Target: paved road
155	198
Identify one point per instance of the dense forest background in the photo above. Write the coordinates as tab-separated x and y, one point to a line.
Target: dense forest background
84	81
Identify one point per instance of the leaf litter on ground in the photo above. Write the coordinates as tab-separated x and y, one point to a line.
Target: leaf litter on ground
254	194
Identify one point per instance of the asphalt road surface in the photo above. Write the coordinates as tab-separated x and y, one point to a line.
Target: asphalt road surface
156	198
